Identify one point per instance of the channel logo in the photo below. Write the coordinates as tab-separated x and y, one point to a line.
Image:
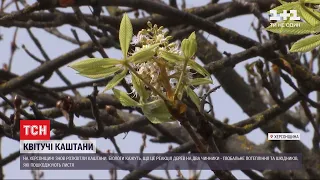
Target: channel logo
34	129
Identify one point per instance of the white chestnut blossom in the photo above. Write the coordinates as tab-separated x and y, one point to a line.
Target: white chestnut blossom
150	70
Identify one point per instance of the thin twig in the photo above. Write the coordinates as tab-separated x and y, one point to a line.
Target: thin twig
142	147
202	149
1	168
203	98
26	10
266	83
288	80
47	58
17	111
313	123
23	112
99	82
94	108
38	114
31	55
5	118
86	27
9	158
13	48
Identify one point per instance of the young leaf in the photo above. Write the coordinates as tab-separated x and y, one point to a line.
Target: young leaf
192	45
171	57
306	44
304	28
310	15
144	54
116	80
125	34
192	36
197	67
287	6
189	46
156	111
193	96
200	81
312	1
138	85
282	2
124	99
100	73
184	45
93	63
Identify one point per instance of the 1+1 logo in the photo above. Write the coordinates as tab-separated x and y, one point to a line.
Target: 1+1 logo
292	15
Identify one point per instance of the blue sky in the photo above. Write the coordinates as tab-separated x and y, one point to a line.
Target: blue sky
224	106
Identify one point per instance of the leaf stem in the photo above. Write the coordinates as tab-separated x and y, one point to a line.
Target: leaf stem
180	78
146	82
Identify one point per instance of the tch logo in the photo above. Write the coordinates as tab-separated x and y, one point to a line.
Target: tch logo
34	129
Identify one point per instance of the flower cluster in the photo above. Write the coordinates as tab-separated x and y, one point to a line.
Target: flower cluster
151	70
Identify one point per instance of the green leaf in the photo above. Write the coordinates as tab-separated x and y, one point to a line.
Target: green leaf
193	96
192	46
124	99
306	44
144	54
197	67
100	73
96	68
312	1
92	63
116	80
171	57
282	2
287	6
184	46
138	85
156	111
192	36
189	46
304	28
200	81
125	34
310	15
